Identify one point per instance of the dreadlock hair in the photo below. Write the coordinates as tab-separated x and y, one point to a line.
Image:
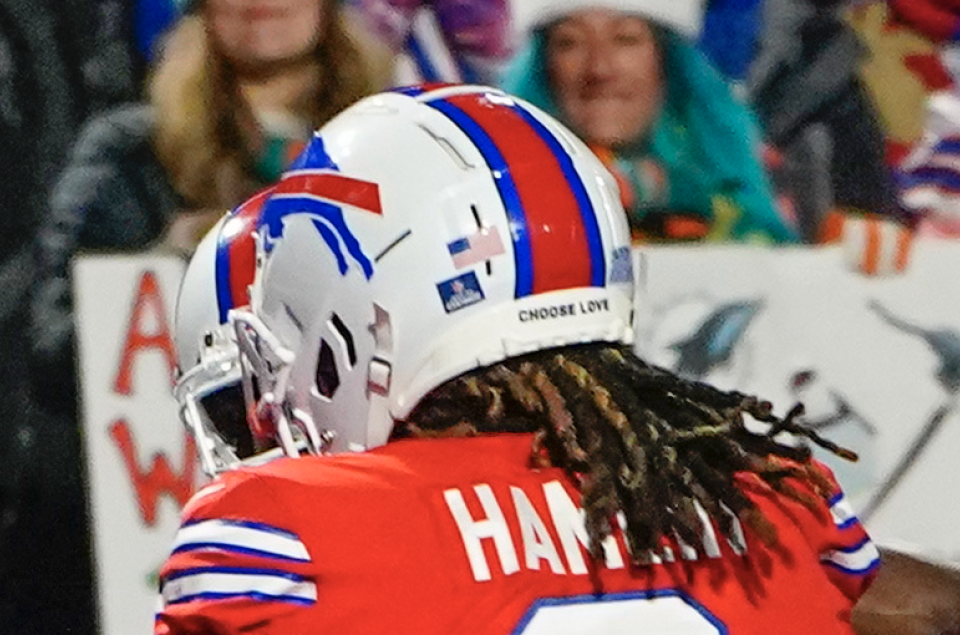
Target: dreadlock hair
640	440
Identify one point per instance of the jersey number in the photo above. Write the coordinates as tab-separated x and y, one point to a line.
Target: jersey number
661	612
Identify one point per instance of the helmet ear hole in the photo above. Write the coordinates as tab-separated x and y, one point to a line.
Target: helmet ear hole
346	338
328	379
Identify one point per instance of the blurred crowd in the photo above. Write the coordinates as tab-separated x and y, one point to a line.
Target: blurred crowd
131	125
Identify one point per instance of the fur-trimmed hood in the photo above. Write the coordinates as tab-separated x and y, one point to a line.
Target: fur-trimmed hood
683	16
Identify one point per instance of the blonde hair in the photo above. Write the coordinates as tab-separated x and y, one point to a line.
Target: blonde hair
204	129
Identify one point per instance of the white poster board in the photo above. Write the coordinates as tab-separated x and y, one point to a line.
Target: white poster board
876	360
141	466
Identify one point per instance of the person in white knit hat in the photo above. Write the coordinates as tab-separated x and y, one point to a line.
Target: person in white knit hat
626	76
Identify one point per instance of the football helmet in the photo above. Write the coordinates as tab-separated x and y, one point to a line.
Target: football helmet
208	389
424	233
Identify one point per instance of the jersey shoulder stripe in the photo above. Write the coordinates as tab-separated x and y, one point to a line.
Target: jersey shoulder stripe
221	583
842	512
242	537
860	559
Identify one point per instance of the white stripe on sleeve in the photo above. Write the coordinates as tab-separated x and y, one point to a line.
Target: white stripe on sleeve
241	536
842	512
224	583
859	559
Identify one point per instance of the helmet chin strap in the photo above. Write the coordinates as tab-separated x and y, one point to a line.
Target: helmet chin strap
303	422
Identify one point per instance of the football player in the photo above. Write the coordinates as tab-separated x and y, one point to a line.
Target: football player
438	336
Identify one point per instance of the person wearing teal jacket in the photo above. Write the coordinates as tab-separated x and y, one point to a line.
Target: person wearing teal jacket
628	78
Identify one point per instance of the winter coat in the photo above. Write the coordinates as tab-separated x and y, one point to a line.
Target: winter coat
113	195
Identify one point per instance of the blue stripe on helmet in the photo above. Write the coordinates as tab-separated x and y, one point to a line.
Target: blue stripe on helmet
222	277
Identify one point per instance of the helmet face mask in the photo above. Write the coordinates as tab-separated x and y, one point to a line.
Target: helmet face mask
201	392
422	235
208	389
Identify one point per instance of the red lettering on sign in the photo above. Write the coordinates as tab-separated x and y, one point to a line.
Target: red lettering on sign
149	302
160	479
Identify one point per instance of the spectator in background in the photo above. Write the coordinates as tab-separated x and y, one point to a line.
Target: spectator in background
626	76
458	41
805	84
237	89
263	77
235	94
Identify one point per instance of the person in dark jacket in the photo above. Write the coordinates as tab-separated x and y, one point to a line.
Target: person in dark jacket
805	86
114	195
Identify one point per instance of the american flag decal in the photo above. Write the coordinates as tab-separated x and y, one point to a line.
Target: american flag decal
478	247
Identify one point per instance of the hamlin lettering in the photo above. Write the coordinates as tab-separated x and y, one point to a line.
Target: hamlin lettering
569	521
570	309
494	527
533	532
538	547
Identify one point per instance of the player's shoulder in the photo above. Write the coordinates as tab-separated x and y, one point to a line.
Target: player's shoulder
270	487
408	462
248	491
804	494
400	466
812	499
220	492
810	477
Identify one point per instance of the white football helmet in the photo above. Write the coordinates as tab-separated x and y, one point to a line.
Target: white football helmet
422	234
208	389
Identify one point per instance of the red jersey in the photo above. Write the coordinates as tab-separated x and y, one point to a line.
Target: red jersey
445	536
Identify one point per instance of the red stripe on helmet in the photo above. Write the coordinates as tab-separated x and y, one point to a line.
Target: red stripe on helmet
334	187
559	248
